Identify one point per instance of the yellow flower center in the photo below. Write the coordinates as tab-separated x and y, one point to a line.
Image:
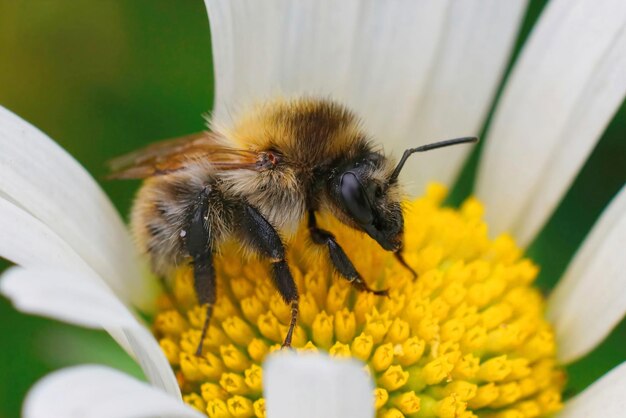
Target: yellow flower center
467	338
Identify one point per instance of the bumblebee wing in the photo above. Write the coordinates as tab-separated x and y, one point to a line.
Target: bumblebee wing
174	154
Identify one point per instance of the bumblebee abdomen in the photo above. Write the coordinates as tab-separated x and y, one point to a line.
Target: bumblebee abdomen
160	215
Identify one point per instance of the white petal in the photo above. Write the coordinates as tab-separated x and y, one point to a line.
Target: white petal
471	57
312	385
81	300
415	71
569	81
30	243
100	392
65	296
605	398
589	301
40	177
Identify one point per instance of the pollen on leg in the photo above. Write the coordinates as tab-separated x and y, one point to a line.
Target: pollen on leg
466	339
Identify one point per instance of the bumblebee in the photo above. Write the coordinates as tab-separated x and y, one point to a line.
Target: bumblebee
255	180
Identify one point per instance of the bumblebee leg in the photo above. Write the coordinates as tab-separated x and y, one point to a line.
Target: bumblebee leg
198	243
262	236
340	260
204	284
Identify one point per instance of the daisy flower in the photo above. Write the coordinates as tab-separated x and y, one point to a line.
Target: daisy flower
470	337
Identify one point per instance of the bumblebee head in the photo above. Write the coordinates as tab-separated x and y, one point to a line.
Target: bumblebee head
368	196
367	201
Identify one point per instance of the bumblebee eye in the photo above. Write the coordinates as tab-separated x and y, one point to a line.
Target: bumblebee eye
355	199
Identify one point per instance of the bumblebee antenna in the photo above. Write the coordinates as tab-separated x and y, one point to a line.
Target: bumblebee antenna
428	147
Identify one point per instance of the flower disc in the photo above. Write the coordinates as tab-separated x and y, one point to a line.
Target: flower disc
466	338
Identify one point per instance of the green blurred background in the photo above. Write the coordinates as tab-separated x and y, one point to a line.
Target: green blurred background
105	77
